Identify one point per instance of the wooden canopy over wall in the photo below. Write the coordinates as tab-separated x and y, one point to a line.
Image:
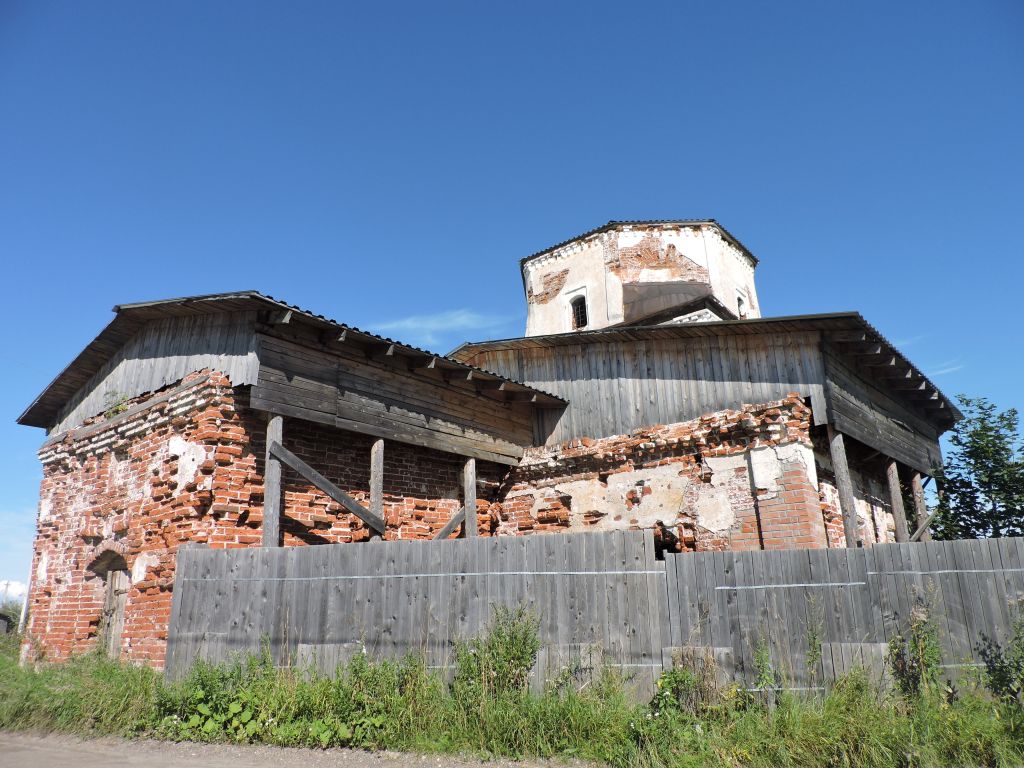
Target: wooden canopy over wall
368	388
299	365
617	380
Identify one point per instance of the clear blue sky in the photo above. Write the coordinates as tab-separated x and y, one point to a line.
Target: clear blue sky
387	164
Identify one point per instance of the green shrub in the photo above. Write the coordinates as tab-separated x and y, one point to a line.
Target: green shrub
915	661
1004	667
499	662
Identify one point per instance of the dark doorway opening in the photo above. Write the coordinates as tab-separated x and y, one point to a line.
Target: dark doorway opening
111	567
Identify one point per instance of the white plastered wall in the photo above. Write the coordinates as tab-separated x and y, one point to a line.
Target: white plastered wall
582	267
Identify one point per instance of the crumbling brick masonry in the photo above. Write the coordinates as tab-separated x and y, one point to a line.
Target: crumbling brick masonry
741	479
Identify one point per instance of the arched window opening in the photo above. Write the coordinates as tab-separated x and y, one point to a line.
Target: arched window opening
579	312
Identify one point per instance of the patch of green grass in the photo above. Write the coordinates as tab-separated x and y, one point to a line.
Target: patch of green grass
487	709
87	695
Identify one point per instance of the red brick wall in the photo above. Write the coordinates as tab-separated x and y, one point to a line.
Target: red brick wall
191	469
791	518
663	476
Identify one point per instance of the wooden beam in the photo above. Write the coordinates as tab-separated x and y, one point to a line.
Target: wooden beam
377	478
846	336
862	348
381	352
272	499
884	361
497	384
920	508
281	318
899	512
922	530
325	485
469	496
522	397
905	373
356	420
908	385
451	525
847	503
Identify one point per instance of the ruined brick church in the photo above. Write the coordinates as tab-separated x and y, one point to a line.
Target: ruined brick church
648	392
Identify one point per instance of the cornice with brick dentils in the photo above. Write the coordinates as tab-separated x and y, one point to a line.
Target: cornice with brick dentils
724	433
146	413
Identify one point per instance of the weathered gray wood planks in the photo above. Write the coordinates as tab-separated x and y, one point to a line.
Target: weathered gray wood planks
615	387
820	613
273	501
809	614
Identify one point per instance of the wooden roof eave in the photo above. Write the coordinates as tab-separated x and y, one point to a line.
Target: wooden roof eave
458	375
852	336
880	362
129	318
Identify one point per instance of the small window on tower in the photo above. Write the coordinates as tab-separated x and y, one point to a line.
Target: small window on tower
741	307
579	312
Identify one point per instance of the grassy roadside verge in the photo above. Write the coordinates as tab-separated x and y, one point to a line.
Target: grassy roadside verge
487	710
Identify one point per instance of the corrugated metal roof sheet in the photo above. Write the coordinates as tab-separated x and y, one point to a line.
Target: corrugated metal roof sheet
129	318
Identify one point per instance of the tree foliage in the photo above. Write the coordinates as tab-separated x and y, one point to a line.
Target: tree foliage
983	479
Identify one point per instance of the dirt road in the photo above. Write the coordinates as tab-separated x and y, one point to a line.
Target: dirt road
22	751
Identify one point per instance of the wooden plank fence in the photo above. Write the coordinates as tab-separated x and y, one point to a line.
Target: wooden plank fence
802	617
805	617
598	598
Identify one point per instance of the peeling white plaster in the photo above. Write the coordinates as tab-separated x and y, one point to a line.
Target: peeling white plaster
45	507
44	560
660	493
190	457
730	275
714	511
142	564
766	464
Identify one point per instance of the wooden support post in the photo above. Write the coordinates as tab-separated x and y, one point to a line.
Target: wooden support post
457	519
290	459
377	478
847	504
899	512
920	508
272	486
469	496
